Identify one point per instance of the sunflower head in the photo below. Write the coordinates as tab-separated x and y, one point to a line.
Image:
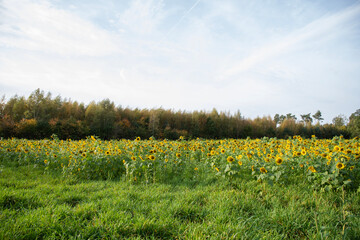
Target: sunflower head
263	170
340	165
279	161
230	159
312	169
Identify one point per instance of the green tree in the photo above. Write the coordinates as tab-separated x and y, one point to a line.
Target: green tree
354	124
35	100
2	106
318	116
290	116
306	118
101	118
340	121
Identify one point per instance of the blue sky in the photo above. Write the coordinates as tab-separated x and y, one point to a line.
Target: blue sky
259	57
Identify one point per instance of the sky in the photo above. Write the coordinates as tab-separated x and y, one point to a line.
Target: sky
258	57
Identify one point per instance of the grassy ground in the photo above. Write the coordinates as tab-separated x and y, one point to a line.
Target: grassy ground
38	205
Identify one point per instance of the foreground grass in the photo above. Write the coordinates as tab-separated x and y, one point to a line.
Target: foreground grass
35	205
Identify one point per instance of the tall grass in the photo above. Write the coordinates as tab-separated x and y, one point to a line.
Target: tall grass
35	205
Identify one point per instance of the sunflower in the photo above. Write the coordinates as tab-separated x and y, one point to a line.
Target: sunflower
45	161
263	170
151	157
279	161
240	163
222	150
303	152
230	159
312	169
178	155
348	151
352	168
340	165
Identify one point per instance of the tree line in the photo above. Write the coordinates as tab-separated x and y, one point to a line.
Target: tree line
40	116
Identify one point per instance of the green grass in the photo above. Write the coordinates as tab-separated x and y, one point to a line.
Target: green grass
38	205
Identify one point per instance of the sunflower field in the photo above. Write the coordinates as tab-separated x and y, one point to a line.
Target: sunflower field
326	164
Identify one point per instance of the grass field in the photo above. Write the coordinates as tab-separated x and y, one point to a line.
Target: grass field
130	191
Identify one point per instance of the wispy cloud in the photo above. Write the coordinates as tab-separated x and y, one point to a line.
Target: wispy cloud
142	16
184	54
182	18
314	31
38	26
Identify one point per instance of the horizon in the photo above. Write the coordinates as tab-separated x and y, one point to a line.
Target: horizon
226	112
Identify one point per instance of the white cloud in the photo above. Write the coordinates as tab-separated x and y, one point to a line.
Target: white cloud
181	56
38	26
142	16
315	31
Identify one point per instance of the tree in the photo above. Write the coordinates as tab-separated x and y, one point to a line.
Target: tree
354	124
279	119
34	102
100	118
306	118
290	116
2	106
317	116
340	121
154	122
19	109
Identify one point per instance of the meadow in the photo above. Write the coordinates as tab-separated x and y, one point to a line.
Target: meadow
264	188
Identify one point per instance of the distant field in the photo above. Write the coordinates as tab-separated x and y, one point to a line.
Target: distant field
149	189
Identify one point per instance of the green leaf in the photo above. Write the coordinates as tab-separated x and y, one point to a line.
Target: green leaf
347	182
